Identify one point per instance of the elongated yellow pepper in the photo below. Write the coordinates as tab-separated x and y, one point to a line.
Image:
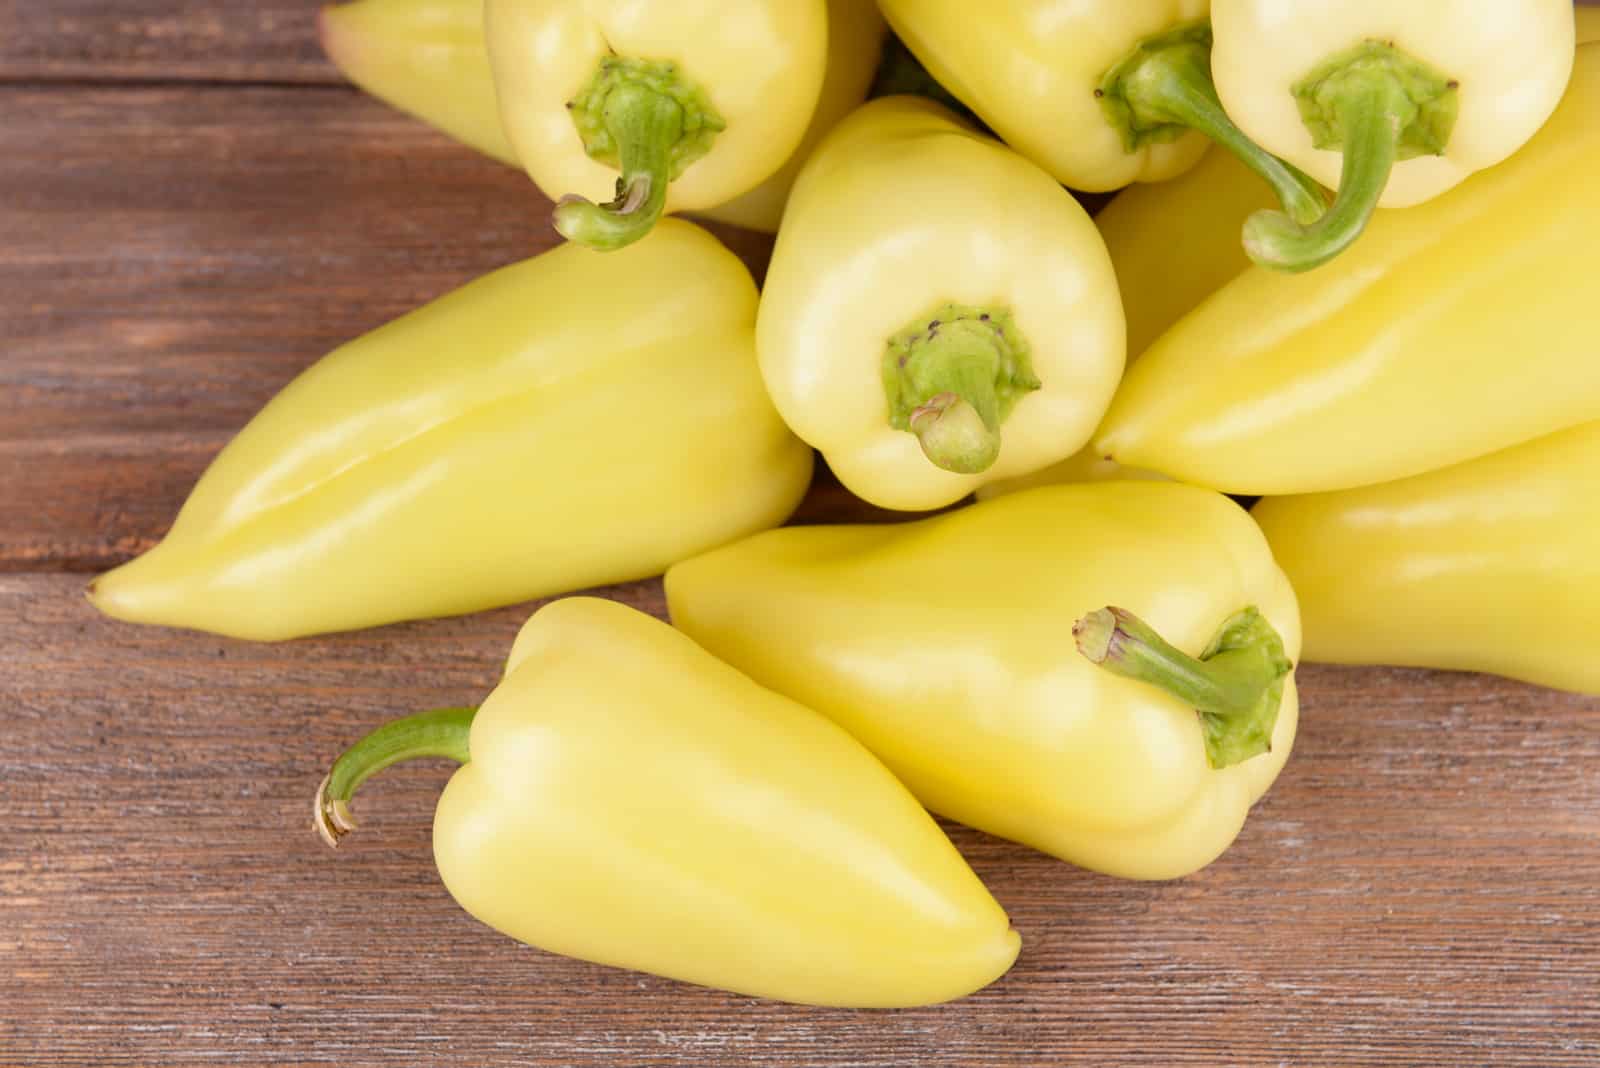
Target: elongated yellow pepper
628	799
1453	330
572	420
946	647
1392	103
429	59
425	57
938	311
695	102
1172	245
1099	93
1489	565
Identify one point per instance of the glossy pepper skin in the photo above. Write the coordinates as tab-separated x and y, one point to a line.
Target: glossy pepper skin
630	800
1487	566
425	57
1172	244
565	422
1452	330
1100	93
946	647
429	59
922	264
694	102
1390	103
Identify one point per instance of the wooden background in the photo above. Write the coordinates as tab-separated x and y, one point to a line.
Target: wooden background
192	209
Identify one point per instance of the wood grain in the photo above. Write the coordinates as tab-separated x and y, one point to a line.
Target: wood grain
1422	887
173	257
176	40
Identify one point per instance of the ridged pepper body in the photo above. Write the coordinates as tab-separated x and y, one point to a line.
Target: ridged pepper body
630	800
1490	565
572	420
946	646
1451	330
904	211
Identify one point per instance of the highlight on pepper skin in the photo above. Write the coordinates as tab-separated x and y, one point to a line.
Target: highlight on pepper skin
675	818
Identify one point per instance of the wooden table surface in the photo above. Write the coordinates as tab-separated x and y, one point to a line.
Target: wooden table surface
192	209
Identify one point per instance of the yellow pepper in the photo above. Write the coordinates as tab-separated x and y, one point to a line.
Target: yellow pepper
572	420
1172	244
1489	565
1099	93
425	57
1392	102
946	647
930	286
855	44
629	800
1453	330
429	59
695	102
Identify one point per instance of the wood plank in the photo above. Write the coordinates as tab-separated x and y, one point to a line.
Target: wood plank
173	40
1421	888
175	256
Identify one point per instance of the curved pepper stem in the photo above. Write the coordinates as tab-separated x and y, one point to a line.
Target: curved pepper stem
1236	685
648	120
952	379
1163	89
1379	106
440	733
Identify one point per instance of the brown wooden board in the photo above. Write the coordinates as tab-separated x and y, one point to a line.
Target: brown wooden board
171	257
1420	888
175	40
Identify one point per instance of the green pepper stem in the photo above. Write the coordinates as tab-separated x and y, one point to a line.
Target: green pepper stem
959	427
1378	105
1164	87
440	733
1372	119
952	378
645	124
1236	685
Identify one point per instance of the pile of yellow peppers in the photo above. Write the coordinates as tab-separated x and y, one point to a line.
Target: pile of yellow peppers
1366	305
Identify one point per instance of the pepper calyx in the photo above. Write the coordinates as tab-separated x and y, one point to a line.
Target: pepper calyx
1235	685
647	119
1162	89
1379	106
952	378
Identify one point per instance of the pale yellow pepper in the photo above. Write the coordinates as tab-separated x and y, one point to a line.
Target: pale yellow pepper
1172	244
1452	330
1392	102
569	421
429	59
1100	93
947	647
938	312
695	102
425	57
628	799
1491	565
